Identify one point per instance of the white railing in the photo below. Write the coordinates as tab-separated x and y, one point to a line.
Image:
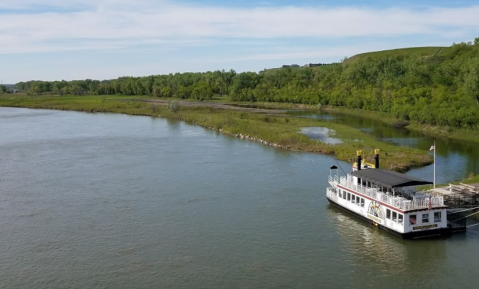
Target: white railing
332	194
419	200
333	180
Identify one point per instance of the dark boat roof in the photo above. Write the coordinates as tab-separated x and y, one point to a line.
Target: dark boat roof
389	179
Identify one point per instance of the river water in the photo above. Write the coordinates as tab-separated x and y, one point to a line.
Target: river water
116	201
455	160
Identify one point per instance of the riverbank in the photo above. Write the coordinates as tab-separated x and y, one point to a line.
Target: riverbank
268	128
437	131
431	130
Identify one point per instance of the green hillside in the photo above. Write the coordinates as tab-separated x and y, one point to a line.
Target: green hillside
401	52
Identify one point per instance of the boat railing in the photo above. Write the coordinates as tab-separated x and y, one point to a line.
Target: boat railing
421	201
332	193
333	179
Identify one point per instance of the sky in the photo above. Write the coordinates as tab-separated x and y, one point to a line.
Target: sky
105	39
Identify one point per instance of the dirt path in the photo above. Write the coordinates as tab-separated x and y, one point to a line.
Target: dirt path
233	106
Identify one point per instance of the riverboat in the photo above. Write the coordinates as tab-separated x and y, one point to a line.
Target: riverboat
389	200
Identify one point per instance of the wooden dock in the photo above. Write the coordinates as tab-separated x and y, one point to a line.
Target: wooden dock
459	196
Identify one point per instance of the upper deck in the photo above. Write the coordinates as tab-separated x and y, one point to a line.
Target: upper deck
401	198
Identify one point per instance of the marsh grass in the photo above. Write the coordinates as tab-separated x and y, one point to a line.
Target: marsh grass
471	179
468	135
279	130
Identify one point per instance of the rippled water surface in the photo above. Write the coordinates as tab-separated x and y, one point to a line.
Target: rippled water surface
115	201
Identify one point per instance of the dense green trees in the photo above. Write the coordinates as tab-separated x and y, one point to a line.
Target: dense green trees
439	89
471	78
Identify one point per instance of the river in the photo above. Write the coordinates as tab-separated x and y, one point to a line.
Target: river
117	201
455	160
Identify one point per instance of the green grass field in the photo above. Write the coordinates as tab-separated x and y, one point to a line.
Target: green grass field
414	51
279	130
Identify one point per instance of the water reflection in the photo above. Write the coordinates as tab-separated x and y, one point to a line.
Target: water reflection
173	124
455	160
321	133
381	259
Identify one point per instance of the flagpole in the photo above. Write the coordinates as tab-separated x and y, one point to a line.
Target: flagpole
434	164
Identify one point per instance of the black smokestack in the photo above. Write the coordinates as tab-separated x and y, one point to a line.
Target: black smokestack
376	158
359	160
359	164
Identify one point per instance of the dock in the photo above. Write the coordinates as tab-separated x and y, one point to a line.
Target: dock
459	196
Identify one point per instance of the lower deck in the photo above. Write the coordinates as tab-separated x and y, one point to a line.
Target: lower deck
407	235
386	213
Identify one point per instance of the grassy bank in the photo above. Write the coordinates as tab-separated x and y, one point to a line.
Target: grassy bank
282	131
437	131
472	179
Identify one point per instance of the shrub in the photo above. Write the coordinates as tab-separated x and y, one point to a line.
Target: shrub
173	106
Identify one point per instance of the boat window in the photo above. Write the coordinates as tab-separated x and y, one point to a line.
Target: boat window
395	217
400	218
437	217
388	214
353	198
412	219
362	202
349	196
340	195
425	218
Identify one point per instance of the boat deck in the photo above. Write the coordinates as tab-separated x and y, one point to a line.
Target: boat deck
402	199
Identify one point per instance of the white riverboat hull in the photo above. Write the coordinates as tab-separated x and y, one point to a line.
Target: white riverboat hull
389	201
409	235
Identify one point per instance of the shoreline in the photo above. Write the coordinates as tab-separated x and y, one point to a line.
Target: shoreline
255	124
468	135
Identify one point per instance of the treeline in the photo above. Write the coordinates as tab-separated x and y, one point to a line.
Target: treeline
440	89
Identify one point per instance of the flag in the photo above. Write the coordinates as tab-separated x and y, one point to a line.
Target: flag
432	148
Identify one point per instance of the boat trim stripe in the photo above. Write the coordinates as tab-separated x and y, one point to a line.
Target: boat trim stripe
384	204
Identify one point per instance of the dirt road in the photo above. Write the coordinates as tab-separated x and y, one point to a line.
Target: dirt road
232	106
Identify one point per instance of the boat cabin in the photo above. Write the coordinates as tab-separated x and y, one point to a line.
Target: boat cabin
389	200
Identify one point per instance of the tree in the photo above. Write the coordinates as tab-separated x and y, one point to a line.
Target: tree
3	89
243	85
471	79
202	90
35	88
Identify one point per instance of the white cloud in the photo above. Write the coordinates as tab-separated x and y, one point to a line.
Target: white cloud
151	37
129	22
305	53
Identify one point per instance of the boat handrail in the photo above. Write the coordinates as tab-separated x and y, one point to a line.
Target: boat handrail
332	193
333	179
417	202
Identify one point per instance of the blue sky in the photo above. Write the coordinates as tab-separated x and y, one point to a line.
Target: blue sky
104	39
